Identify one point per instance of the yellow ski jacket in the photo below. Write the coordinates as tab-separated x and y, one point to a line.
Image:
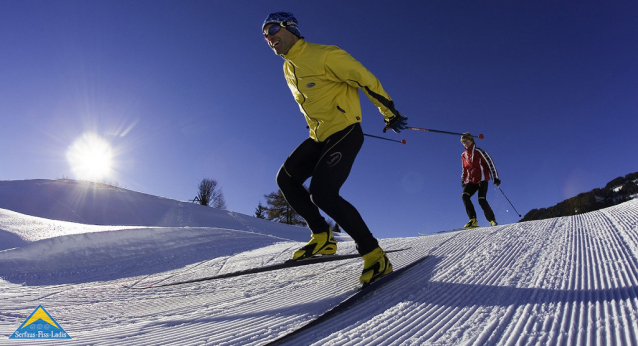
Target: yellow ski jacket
324	81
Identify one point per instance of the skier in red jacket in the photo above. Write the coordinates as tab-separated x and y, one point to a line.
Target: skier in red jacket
477	169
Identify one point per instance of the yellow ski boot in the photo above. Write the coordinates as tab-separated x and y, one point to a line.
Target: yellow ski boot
321	244
375	265
472	224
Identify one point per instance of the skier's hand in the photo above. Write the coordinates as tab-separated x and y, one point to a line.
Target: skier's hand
497	182
463	183
397	123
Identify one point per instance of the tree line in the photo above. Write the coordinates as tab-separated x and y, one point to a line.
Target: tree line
277	209
615	192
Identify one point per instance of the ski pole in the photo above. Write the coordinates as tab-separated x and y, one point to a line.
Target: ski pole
519	215
387	139
439	131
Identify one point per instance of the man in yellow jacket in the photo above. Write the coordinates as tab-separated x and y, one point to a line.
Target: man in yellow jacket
325	82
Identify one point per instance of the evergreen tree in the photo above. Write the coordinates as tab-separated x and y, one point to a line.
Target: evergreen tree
280	211
260	211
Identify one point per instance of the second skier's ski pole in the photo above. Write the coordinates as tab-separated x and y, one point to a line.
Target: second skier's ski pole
387	139
439	131
519	215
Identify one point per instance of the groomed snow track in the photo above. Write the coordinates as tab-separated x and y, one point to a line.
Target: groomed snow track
564	281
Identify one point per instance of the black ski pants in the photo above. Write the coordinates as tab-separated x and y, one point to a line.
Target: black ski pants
468	191
329	164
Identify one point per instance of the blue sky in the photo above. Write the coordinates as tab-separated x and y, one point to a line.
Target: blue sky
186	90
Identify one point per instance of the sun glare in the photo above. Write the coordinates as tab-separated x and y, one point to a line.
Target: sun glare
90	157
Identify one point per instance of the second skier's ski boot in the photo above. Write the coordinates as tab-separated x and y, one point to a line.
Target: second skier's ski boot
321	244
493	223
472	224
375	265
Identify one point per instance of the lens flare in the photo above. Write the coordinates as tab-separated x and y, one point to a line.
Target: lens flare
90	157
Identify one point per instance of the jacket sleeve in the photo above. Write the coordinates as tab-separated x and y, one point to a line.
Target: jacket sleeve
342	66
487	159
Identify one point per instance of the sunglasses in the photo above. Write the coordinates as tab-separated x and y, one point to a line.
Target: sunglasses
273	29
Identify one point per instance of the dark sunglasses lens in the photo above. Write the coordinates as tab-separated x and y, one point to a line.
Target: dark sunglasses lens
273	29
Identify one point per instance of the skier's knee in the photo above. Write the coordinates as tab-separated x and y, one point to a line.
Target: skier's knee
284	179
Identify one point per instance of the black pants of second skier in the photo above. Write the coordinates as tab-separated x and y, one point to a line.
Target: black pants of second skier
329	164
468	191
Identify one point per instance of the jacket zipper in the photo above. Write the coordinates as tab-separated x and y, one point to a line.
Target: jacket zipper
294	72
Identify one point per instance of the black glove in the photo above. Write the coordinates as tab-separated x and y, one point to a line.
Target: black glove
463	183
497	181
396	123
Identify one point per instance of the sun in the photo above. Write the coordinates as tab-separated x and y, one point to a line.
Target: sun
90	157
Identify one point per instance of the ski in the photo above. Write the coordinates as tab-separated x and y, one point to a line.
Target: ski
361	293
277	266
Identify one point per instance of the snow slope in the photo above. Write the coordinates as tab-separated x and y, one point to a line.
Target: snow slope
99	204
563	281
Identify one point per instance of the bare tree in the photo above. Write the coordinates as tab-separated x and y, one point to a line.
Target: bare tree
210	194
219	202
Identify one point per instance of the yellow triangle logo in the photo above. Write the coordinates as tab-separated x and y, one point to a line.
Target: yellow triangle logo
39	313
40	325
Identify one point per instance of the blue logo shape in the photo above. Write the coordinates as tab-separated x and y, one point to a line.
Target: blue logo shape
40	325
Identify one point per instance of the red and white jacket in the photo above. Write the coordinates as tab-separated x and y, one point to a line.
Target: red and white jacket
477	166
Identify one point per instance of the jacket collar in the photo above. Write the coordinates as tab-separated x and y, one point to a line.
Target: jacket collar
296	49
471	148
469	152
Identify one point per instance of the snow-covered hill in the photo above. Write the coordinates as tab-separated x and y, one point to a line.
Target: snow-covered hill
564	281
99	204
